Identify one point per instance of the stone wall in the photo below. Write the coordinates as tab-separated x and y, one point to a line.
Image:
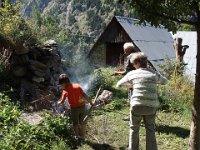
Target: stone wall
37	67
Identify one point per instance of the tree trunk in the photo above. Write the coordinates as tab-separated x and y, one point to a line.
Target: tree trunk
194	141
178	49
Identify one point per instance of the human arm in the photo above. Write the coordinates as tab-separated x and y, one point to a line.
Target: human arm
116	73
129	67
88	99
63	97
124	82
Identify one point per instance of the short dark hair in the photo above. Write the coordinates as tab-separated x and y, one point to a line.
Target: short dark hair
63	78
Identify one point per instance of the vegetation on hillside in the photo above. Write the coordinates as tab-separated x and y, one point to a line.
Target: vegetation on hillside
14	27
54	132
104	124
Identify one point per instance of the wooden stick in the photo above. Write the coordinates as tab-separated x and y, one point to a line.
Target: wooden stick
85	118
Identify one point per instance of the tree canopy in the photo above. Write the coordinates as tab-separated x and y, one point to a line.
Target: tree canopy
166	12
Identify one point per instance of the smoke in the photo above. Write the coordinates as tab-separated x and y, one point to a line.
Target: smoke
77	66
82	74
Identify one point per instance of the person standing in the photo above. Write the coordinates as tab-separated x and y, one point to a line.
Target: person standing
144	100
76	97
129	49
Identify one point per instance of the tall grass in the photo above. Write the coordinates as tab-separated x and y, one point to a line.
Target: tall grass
178	93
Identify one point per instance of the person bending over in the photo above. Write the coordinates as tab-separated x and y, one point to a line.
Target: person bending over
75	95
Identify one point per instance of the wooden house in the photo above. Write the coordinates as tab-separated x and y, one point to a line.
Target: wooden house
156	43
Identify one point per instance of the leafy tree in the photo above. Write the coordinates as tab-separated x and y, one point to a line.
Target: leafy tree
51	26
15	28
171	14
36	15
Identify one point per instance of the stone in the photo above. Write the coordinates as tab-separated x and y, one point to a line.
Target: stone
50	43
20	50
19	71
37	64
37	79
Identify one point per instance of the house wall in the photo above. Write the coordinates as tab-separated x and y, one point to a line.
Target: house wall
98	58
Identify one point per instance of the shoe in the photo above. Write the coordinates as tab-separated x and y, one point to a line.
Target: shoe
82	141
77	141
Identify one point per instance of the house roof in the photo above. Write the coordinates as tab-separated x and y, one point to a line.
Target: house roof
190	39
156	43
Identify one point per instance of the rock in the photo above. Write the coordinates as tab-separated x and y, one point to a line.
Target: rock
39	73
19	71
27	90
50	43
20	50
37	79
105	97
34	118
38	68
36	64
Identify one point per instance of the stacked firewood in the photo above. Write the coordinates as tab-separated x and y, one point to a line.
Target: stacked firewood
37	68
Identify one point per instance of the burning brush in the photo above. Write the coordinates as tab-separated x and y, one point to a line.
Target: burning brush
60	109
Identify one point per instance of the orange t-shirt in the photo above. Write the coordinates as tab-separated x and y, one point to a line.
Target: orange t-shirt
74	93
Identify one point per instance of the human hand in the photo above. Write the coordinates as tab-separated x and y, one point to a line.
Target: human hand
115	73
92	103
59	102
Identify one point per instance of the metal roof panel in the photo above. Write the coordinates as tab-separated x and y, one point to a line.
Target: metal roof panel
156	43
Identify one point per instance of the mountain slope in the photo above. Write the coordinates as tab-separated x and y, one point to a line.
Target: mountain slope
78	16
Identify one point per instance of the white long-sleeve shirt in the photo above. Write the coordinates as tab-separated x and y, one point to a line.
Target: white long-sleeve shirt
144	81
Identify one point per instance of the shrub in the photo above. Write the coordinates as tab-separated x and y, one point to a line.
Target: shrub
177	95
14	27
17	134
102	77
168	68
173	96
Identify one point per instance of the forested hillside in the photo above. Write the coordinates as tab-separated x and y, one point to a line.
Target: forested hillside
77	18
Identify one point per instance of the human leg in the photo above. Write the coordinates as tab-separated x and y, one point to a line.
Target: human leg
130	92
75	121
82	127
134	131
149	121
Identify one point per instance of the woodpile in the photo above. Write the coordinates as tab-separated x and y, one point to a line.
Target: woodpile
37	68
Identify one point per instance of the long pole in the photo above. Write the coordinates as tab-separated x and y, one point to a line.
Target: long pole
92	105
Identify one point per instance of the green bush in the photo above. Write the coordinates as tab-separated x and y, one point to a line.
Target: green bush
177	95
102	78
59	146
17	134
14	27
168	68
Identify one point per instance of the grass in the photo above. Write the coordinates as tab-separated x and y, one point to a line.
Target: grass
108	131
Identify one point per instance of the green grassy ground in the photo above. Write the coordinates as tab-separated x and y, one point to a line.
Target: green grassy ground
107	131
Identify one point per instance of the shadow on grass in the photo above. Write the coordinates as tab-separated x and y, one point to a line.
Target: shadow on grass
123	148
178	131
99	146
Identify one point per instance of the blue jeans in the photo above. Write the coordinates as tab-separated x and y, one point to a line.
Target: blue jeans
149	120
